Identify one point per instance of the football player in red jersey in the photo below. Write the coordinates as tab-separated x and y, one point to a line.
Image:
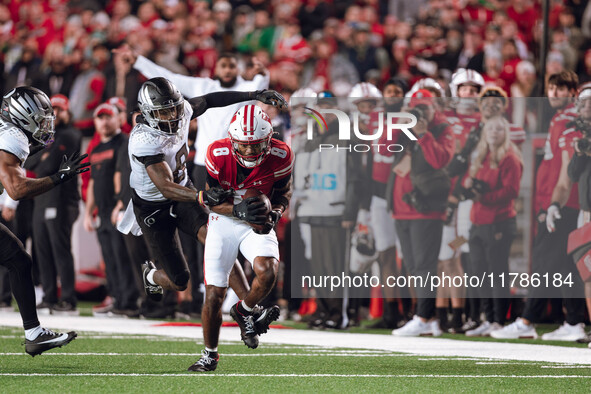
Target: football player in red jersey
381	221
465	88
557	204
248	158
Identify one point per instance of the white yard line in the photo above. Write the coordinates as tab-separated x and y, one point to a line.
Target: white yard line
419	346
224	354
200	375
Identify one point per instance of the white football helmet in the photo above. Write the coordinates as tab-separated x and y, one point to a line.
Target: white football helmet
423	84
464	76
303	96
363	91
251	132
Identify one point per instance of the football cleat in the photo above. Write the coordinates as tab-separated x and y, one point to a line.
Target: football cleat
516	330
264	318
48	340
207	363
246	323
154	292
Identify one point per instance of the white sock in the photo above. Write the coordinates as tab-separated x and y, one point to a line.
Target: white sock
214	350
246	307
32	333
150	277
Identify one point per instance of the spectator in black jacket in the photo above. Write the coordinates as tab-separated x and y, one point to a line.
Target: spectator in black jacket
54	215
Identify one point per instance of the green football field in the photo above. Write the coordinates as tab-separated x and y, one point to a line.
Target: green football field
117	363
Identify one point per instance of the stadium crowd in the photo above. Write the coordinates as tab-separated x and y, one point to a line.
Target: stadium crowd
460	180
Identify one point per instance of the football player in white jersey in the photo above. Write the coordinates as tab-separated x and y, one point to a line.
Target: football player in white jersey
163	197
26	125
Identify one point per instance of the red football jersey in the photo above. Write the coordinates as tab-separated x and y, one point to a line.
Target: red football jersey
222	166
560	138
461	126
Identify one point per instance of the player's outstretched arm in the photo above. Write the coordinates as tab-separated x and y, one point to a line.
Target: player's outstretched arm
221	99
161	174
18	186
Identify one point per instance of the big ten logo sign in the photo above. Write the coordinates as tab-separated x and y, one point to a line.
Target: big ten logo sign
318	181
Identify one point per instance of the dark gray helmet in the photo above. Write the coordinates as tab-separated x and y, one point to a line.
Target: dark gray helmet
162	105
30	110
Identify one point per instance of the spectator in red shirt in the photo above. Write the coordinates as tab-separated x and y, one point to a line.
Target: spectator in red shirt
419	195
494	180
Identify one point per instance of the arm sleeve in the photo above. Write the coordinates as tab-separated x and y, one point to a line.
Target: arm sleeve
188	86
149	160
510	175
438	152
219	99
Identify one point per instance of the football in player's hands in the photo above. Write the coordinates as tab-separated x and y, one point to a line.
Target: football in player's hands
256	209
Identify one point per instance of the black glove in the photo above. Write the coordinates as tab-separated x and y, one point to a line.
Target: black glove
70	167
214	196
271	97
251	210
275	216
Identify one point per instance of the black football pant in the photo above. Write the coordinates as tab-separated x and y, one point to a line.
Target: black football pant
490	245
549	256
14	257
52	240
420	240
121	281
328	258
5	293
159	222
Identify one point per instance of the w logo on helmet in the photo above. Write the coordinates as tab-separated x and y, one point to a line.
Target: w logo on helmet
249	121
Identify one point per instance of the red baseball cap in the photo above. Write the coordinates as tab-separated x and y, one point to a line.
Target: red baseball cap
421	97
105	109
117	102
60	101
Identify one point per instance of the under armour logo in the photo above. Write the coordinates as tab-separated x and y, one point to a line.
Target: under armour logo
255	183
214	217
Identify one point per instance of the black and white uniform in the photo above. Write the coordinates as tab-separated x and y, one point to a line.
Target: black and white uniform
157	217
13	255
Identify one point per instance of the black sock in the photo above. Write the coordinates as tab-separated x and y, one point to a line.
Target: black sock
391	312
456	319
442	316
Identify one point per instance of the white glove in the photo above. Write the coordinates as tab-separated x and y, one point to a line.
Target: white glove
552	216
